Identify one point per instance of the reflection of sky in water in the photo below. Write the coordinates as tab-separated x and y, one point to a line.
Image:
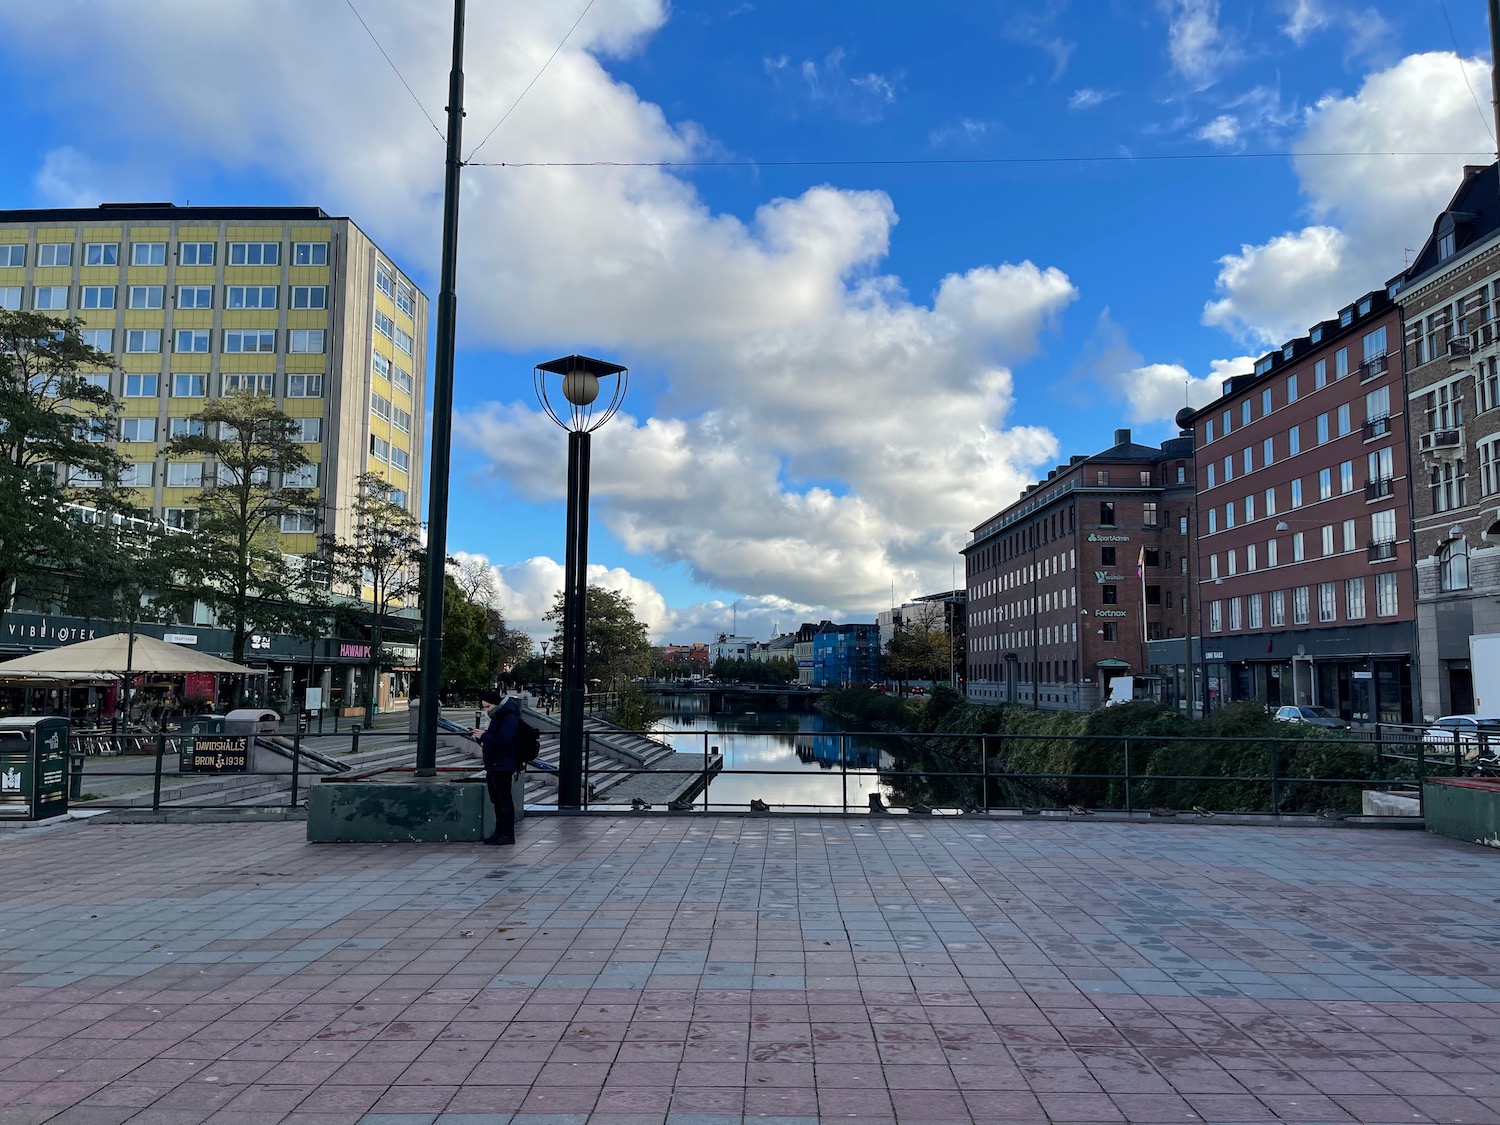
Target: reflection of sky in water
802	750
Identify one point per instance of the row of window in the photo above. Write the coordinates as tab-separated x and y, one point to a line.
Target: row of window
1379	483
1328	427
1382	535
393	455
387	328
308	430
232	341
1257	611
52	254
190	474
194	385
292	523
398	376
55	298
1373	350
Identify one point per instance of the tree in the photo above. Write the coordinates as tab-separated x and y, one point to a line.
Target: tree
56	429
615	643
381	566
233	562
919	650
467	664
510	647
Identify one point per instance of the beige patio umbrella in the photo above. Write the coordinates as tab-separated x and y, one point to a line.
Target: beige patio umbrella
125	654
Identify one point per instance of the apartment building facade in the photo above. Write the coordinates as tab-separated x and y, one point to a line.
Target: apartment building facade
194	302
1066	586
1450	300
1304	547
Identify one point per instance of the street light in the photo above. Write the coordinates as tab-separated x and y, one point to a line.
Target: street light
578	383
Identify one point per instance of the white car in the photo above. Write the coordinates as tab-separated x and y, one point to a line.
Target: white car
1476	735
1315	716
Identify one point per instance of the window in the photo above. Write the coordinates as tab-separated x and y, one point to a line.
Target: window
184	474
400	459
298	523
229	474
250	297
54	254
1320	374
309	253
1380	466
1149	514
402	380
309	429
1228	469
305	341
1449	486
1346	477
1378	404
1294	441
381	365
1227	418
101	339
1213	520
1233	559
1211	476
1249	508
1343	419
137	474
1341	363
403	341
192	340
1278	607
1236	619
1322	428
1182	525
1447	244
1249	461
96	297
380	406
263	384
1383	526
1254	606
1267	451
1291	388
1181	474
1349	537
148	254
1270	501
1216	617
189	386
1265	402
1328	540
380	449
384	282
1453	565
304	386
1328	605
101	254
181	519
1213	566
1208	431
1489	466
12	256
1111	631
401	419
143	340
304	476
1228	516
384	324
1299	553
45	298
406	298
254	253
398	498
1374	344
1270	552
1107	513
140	386
241	341
1325	483
184	427
1385	595
1109	595
1487	381
195	296
1297	493
10	297
309	296
1250	557
1354	598
1300	605
1245	413
195	253
1106	556
137	429
145	297
84	478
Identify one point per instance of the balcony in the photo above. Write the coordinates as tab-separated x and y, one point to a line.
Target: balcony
1441	445
1381	552
1377	427
1377	366
1380	488
1482	339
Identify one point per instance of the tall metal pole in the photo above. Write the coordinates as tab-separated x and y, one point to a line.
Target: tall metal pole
1036	654
1495	64
1187	592
575	594
442	420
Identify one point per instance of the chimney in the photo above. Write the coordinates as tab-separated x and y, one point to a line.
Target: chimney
1122	437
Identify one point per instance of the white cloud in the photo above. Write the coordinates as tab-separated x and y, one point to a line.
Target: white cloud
1195	43
967	130
68	178
1087	98
1364	31
1152	392
1365	209
1223	131
1303	18
774	348
826	86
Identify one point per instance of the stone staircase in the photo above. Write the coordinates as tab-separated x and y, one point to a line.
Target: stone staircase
614	757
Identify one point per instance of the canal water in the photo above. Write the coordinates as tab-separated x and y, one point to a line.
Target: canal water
803	755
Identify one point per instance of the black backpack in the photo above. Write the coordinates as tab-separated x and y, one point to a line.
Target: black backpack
528	744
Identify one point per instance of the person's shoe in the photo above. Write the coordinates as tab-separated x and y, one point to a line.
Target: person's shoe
498	840
639	804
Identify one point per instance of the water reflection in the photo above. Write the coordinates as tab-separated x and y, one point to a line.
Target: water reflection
806	752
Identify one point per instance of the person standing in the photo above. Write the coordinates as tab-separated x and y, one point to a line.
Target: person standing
499	741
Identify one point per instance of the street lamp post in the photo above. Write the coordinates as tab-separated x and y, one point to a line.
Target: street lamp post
579	378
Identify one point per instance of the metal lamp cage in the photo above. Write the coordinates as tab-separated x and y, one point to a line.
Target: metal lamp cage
580	417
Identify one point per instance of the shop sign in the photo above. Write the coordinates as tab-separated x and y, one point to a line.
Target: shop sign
356	651
1106	576
1095	537
1363	675
63	631
1109	613
180	638
217	753
1213	656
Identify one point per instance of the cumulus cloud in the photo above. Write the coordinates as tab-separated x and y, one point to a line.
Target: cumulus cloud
1152	393
1223	131
1196	44
1365	209
816	432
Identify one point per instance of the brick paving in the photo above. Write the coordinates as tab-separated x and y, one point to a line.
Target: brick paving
719	970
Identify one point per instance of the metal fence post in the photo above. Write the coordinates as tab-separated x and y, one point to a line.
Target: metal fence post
1275	778
588	751
1422	776
844	770
707	750
1379	755
296	764
984	770
354	745
1129	795
161	750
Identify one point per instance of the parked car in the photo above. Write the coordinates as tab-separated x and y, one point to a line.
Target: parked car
1316	716
1477	735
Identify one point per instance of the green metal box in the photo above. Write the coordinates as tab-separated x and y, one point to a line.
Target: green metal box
1464	808
33	767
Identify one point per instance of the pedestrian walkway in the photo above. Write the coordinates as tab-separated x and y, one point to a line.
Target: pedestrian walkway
718	970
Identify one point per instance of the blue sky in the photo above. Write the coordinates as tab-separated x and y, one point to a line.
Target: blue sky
837	368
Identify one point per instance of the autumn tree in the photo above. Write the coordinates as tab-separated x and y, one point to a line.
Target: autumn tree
616	646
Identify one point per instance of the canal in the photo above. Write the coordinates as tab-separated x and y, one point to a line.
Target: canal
801	752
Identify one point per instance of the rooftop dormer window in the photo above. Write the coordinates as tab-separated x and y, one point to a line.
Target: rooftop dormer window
1447	244
1316	334
1346	316
1286	352
1365	306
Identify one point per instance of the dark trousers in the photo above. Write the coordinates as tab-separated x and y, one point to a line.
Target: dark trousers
503	798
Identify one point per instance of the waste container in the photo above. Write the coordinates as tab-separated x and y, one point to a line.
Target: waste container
203	724
33	767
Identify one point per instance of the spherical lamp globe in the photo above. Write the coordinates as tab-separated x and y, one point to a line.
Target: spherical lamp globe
580	387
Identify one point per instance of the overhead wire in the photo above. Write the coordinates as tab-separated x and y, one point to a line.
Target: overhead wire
395	70
474	151
1459	58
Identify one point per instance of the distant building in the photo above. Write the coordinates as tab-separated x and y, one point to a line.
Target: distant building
727	646
944	612
693	657
1056	604
845	655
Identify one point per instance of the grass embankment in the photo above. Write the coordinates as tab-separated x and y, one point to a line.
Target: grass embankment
1224	763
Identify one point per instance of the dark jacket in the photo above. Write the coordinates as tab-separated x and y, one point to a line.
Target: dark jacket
499	739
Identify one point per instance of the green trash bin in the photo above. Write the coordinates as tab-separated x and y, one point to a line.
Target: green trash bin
33	767
203	724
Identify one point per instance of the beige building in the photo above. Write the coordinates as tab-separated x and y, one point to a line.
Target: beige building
194	302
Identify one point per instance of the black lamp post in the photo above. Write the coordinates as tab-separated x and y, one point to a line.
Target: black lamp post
578	384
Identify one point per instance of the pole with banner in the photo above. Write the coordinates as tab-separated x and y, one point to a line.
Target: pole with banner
1140	572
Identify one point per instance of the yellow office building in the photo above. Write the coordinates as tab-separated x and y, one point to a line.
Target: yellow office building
194	302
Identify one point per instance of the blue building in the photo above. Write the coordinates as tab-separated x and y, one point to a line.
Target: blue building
844	655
